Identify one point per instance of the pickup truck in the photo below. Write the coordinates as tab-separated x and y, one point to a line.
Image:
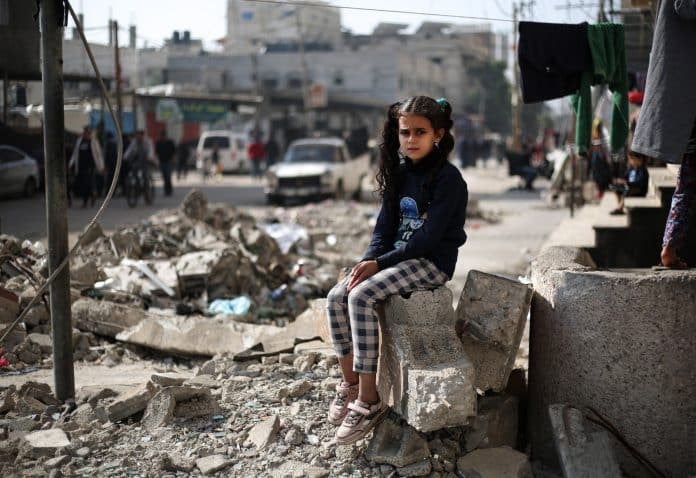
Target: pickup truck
316	168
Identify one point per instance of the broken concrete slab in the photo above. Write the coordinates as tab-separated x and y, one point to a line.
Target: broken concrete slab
496	423
196	335
43	341
424	372
422	468
212	464
159	411
397	444
45	442
295	468
192	402
168	379
129	403
195	205
105	318
491	316
581	454
207	381
264	433
495	463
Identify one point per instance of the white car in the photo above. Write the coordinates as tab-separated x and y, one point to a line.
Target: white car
19	172
231	147
316	169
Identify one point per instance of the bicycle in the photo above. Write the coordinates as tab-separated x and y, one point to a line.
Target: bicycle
139	181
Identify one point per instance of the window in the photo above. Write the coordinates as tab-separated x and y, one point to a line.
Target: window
313	153
222	142
9	155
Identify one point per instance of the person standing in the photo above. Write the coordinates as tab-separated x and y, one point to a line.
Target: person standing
86	161
255	153
272	151
182	157
110	156
165	150
666	128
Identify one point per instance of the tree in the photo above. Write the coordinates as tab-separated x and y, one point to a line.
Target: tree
492	96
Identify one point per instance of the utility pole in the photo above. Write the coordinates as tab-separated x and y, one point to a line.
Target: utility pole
117	71
56	198
305	71
516	100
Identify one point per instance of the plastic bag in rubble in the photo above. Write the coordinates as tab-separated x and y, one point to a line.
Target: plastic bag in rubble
286	235
237	306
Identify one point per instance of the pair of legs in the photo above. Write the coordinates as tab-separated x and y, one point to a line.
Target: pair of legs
353	320
682	203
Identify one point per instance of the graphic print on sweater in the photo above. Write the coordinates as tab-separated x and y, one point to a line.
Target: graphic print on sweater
410	221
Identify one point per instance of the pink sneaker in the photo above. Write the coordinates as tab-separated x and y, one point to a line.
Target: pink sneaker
359	421
345	394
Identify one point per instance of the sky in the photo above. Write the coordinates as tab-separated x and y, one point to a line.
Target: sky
206	19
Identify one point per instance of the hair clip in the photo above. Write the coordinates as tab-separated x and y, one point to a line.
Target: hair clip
442	102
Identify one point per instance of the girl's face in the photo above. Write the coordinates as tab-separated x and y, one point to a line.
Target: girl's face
417	136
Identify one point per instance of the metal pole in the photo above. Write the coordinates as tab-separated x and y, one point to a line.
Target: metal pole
117	72
305	71
5	80
56	197
516	100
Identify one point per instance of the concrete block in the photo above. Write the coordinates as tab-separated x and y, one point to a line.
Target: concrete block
396	444
159	411
424	373
46	442
298	468
422	468
213	463
491	316
582	454
129	403
619	341
264	433
500	462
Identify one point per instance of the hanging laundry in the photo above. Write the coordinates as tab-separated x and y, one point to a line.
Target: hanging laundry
552	58
608	50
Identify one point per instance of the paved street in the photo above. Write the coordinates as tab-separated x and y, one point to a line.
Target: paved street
504	247
25	218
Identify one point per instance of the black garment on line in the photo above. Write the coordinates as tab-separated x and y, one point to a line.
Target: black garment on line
552	58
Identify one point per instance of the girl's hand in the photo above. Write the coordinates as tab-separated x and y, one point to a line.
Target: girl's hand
362	271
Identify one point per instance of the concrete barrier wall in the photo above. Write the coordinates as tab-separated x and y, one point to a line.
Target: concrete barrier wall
622	342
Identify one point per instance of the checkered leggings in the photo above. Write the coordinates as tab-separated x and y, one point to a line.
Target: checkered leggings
352	317
682	203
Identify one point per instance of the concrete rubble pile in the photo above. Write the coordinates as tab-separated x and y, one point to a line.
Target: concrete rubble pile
238	417
183	276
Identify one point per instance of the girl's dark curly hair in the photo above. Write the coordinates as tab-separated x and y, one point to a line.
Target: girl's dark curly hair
439	112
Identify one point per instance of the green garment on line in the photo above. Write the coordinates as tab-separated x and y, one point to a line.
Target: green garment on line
608	50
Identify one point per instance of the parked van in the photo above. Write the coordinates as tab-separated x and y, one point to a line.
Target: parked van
231	151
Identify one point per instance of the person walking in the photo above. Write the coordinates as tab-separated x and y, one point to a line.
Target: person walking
165	150
86	161
666	128
414	246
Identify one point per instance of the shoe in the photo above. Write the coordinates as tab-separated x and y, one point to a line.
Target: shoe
345	394
361	418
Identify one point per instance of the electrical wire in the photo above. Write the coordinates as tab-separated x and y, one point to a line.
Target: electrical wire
102	208
381	10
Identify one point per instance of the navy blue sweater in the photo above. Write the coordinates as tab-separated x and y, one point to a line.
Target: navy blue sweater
431	227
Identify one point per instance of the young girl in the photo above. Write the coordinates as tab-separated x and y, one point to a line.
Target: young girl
414	246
